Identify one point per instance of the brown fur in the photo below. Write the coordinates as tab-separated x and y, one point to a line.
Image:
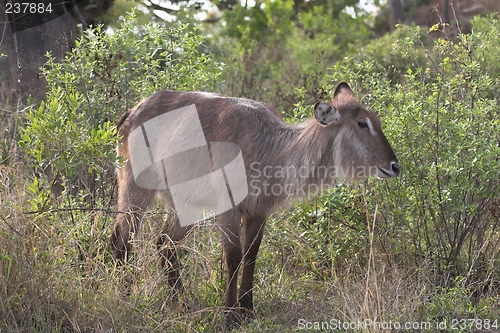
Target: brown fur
267	143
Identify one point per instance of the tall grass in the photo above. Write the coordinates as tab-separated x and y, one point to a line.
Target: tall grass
57	276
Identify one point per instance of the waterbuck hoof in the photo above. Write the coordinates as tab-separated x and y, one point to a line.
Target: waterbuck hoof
247	314
237	317
233	320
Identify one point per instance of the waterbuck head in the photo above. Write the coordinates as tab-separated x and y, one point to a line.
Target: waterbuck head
360	148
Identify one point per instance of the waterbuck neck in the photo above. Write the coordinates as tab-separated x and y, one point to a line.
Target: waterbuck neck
298	157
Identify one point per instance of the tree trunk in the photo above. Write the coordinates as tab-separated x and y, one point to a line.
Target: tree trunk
396	13
26	49
19	71
446	14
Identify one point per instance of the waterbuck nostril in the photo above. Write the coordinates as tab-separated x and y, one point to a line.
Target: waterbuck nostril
395	168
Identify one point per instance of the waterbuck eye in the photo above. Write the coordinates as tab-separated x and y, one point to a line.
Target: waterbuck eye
362	124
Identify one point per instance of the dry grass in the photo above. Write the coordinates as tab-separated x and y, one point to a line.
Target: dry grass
57	275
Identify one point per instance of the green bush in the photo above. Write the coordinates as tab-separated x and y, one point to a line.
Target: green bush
71	136
279	54
55	259
439	109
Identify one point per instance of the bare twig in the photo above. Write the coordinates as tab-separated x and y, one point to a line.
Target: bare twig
4	27
427	53
86	209
11	227
456	19
79	14
154	6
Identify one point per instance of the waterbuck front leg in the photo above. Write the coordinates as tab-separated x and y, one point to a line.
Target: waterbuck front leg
132	202
172	232
254	229
229	226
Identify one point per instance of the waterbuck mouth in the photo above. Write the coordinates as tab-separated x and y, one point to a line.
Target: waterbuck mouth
385	173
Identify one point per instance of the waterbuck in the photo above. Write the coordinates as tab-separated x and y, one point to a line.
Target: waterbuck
280	162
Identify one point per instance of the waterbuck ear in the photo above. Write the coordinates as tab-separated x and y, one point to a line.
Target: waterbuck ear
343	94
325	113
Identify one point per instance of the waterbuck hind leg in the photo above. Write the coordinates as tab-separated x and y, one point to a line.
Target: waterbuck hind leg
172	232
132	202
253	231
120	238
229	227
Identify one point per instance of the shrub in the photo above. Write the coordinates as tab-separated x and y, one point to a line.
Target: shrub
442	119
279	54
71	136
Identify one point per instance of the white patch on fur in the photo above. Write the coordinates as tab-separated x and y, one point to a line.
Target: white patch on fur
248	103
338	153
370	126
209	95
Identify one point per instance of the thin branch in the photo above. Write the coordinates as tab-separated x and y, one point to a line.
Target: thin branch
154	6
79	14
84	209
456	19
5	26
426	52
213	19
11	227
